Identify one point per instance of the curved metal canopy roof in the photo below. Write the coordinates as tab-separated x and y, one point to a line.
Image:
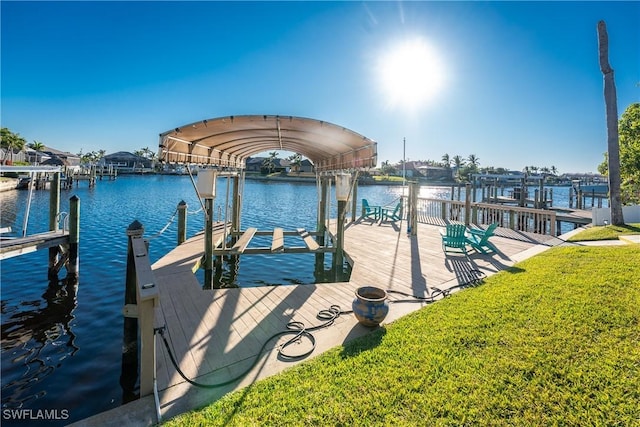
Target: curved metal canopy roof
229	141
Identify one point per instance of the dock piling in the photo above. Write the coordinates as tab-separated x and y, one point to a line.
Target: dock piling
73	264
182	222
129	372
54	210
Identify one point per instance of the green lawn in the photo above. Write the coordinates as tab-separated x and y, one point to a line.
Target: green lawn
555	340
389	178
608	232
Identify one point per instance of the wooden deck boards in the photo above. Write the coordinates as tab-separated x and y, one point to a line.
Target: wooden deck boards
216	334
222	331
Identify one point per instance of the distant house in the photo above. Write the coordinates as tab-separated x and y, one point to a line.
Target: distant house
35	157
124	161
436	173
9	156
60	158
306	166
254	164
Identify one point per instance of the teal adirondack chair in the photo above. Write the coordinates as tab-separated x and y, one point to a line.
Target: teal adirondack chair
394	215
369	211
454	238
479	239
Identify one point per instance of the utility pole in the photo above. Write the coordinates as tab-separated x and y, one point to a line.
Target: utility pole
404	162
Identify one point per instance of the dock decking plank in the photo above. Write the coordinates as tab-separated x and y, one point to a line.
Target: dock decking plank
243	241
277	244
312	245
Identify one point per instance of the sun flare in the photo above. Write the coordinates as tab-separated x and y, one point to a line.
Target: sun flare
410	74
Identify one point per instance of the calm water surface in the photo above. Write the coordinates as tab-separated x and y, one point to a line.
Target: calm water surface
61	344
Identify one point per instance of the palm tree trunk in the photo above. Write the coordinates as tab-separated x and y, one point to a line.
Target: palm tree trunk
611	108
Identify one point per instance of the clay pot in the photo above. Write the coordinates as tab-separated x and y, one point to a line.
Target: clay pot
370	306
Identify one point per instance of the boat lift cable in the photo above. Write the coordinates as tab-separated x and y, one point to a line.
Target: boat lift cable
300	331
195	188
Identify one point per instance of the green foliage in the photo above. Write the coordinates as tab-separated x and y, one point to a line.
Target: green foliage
36	145
387	168
11	142
555	340
91	157
629	140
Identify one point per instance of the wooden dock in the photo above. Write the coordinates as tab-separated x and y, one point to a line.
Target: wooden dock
217	334
10	248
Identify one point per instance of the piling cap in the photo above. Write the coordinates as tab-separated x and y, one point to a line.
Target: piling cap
135	229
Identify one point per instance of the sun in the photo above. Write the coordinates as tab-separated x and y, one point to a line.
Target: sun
410	74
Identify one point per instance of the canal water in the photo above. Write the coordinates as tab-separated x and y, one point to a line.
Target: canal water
61	343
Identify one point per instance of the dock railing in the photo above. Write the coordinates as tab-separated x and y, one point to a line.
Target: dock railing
442	211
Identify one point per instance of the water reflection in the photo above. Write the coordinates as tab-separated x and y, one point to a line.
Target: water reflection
36	335
276	270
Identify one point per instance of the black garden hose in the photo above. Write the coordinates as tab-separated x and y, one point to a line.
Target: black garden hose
298	330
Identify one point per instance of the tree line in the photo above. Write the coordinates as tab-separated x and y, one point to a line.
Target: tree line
12	142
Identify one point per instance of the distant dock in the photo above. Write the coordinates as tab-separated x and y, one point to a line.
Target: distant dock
61	242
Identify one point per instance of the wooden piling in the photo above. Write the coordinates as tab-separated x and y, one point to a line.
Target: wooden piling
412	203
208	236
321	226
354	201
182	222
129	370
467	204
236	204
338	256
54	212
73	264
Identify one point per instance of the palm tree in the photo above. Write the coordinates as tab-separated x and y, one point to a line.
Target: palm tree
296	161
36	145
270	162
611	114
473	160
11	141
446	160
554	170
458	163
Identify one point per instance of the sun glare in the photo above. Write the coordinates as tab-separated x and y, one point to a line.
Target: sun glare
410	74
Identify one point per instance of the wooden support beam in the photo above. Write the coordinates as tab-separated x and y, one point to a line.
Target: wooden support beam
146	299
243	241
308	239
277	244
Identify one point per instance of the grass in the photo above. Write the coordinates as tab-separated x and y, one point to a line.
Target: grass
389	178
554	340
607	232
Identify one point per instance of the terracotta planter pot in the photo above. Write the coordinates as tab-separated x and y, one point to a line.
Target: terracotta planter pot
370	306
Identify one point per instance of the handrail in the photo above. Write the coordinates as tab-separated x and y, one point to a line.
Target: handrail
440	211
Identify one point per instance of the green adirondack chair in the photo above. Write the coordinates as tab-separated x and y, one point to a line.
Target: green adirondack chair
369	211
394	215
479	239
454	238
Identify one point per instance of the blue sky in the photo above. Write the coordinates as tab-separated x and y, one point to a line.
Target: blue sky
515	83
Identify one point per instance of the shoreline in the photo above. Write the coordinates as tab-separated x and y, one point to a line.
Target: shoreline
8	184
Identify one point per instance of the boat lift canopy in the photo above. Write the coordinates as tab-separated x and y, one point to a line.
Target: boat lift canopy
228	141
